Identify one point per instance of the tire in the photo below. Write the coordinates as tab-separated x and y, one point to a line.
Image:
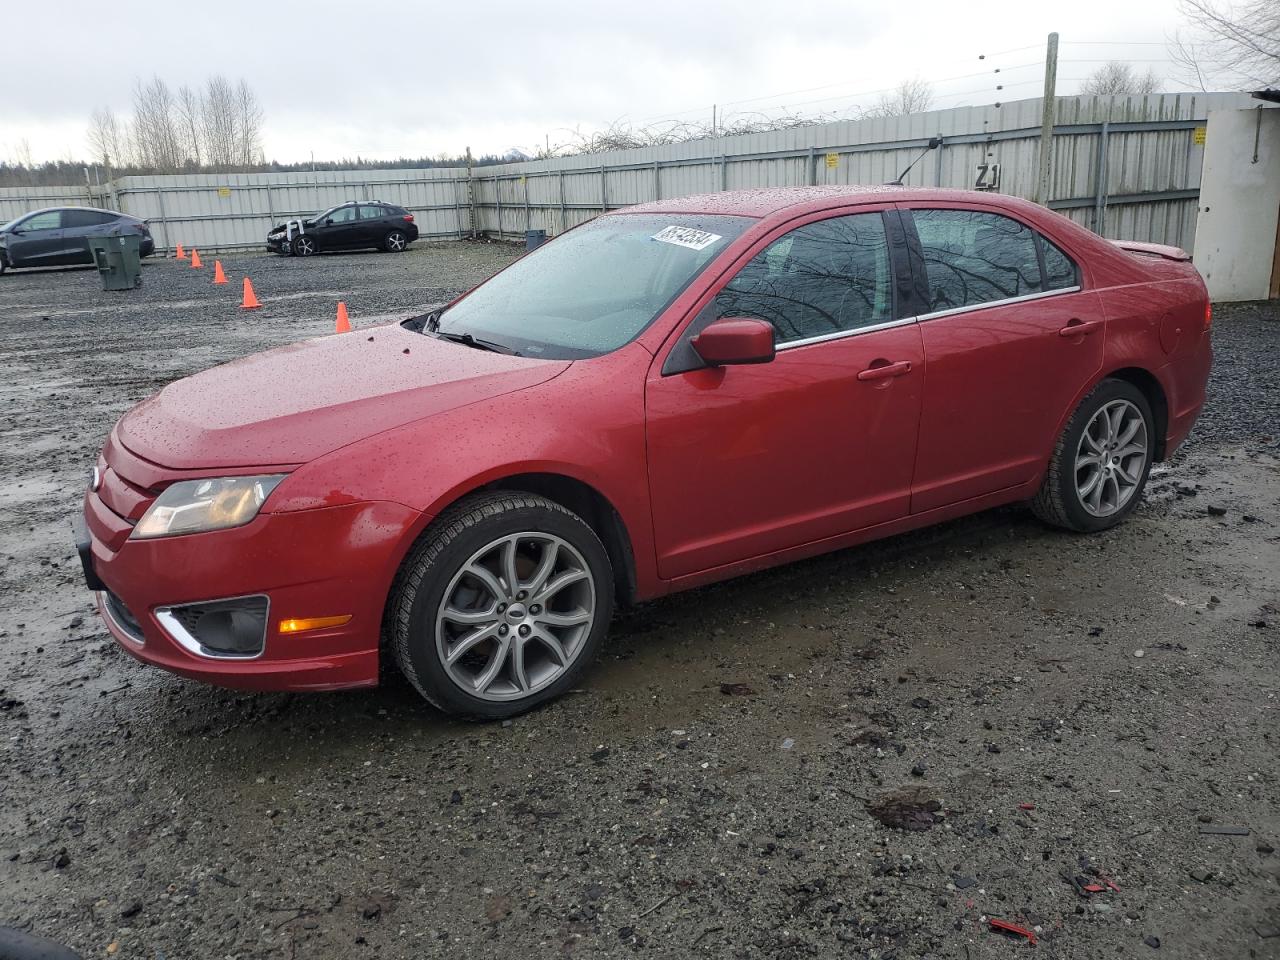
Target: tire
1066	497
4	264
395	242
304	245
496	662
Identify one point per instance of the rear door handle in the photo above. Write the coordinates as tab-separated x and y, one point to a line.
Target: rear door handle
883	369
1079	328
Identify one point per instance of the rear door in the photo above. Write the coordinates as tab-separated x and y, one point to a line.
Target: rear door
37	241
77	227
1010	339
373	223
745	461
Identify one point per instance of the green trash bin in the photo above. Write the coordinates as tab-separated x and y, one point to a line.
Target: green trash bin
118	261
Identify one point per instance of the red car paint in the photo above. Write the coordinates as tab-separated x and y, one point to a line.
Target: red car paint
710	473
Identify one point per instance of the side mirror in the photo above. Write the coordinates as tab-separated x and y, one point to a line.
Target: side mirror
732	341
328	221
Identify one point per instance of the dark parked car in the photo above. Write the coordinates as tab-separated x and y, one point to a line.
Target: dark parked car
365	224
59	236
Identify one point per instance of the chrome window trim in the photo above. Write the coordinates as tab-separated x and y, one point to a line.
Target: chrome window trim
180	635
1025	298
104	604
841	334
903	321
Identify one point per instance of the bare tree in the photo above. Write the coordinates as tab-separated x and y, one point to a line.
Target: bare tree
248	125
1235	43
910	96
189	110
107	138
1117	78
218	123
156	137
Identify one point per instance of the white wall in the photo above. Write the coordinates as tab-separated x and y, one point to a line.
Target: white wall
1239	203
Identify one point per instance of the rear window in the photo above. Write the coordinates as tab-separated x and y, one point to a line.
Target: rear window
1059	269
87	218
973	257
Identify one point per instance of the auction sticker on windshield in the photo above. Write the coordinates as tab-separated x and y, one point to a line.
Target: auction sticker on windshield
687	237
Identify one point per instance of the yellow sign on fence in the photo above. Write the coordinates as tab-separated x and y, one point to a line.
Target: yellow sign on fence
833	160
1197	136
224	191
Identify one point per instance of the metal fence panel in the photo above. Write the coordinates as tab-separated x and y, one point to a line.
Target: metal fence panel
1124	166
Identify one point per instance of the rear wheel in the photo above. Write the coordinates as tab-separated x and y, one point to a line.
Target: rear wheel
395	242
1100	464
501	606
304	246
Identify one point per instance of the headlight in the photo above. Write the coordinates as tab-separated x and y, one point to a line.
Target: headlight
192	506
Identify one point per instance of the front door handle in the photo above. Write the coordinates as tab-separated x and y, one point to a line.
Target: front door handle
1079	328
883	369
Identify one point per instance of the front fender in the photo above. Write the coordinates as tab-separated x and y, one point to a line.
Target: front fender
586	424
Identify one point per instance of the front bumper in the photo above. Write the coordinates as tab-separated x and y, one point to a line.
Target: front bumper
277	244
331	561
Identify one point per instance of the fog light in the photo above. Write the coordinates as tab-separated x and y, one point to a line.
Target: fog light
221	629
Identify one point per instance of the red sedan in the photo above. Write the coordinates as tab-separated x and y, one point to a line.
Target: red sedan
670	395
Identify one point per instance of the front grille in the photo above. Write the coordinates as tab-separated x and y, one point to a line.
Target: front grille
123	617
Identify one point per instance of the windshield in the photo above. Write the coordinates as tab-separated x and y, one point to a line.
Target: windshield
594	288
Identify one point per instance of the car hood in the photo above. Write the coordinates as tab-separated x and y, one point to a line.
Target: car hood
292	404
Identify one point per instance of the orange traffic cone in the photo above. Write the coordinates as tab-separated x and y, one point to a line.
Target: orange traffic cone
344	325
181	254
250	300
218	275
196	262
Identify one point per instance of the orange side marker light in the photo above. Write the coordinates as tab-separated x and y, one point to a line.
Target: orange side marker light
313	623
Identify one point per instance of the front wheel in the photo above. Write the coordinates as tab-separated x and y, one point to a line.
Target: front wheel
395	242
304	246
501	605
1100	464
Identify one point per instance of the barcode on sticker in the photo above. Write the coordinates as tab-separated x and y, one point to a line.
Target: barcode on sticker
687	237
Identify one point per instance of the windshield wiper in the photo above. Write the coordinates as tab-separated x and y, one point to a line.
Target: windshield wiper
467	340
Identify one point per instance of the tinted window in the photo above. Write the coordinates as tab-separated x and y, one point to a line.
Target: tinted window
823	278
341	214
972	257
86	218
373	212
1059	270
49	220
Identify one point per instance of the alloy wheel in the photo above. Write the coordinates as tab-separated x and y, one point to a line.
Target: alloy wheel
306	246
396	242
515	616
1111	458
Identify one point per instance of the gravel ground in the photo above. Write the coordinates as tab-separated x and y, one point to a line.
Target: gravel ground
863	755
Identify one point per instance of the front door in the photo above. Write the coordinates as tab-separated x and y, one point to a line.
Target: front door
1004	363
341	228
37	240
749	460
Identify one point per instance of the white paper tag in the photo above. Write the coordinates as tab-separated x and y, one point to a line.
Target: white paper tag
686	237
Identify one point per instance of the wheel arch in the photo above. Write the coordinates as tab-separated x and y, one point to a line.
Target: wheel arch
573	494
1151	388
594	508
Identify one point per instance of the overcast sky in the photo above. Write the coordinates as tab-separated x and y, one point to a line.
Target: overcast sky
410	78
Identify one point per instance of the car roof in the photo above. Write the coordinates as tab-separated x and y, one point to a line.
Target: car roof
114	213
766	201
